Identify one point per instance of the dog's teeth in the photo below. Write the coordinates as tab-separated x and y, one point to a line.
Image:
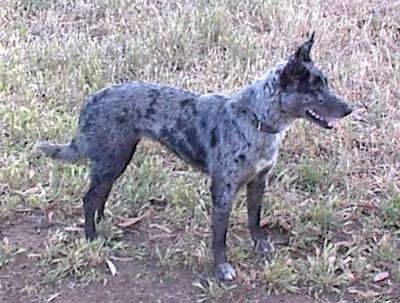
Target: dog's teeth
315	115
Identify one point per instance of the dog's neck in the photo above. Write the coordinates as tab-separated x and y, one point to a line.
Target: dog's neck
259	103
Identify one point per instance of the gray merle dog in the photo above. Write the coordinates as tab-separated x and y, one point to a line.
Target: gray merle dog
234	139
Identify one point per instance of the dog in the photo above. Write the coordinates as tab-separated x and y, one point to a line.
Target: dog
234	139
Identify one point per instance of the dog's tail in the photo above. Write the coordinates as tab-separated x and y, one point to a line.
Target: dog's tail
66	152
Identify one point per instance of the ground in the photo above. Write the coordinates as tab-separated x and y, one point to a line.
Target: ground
332	205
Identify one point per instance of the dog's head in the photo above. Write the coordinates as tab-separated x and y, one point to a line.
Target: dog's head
305	92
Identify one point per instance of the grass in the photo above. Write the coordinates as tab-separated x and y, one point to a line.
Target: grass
323	270
8	251
391	212
335	193
281	276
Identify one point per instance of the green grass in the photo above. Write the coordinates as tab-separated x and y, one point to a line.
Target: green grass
334	193
8	251
281	276
80	259
391	212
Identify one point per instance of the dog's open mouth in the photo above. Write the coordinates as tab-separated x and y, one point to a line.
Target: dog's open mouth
318	118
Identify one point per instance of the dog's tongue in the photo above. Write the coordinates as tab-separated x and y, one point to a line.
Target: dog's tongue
332	122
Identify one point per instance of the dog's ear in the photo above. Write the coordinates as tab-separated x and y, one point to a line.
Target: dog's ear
303	52
293	71
295	68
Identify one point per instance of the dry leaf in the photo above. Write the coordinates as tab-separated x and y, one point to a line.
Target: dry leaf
163	228
52	297
112	267
31	173
363	294
349	274
73	229
264	222
381	276
32	190
133	221
49	216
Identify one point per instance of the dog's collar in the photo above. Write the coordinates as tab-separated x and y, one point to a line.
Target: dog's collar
262	127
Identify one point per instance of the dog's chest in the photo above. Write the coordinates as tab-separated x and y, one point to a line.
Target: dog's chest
263	164
269	149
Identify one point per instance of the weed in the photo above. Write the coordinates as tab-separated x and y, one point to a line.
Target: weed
79	258
280	275
309	176
8	251
323	270
211	290
391	212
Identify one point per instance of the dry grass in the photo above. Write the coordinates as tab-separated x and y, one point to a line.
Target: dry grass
336	193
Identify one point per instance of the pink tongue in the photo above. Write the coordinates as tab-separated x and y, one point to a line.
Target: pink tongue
331	121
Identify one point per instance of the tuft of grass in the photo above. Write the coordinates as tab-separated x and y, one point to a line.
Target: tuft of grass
211	290
391	212
280	275
322	215
8	251
323	270
83	260
309	177
387	250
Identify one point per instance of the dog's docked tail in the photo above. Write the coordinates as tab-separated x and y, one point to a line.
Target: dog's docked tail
66	152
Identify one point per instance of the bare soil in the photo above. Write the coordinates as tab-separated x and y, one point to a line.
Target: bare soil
135	281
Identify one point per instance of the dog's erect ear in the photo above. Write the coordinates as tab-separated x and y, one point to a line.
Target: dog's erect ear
303	52
295	68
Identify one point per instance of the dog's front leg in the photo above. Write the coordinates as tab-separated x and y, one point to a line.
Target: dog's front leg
255	190
222	193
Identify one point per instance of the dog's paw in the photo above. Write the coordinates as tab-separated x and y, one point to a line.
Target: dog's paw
263	247
224	272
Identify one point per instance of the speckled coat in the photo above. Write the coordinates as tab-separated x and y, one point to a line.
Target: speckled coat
234	139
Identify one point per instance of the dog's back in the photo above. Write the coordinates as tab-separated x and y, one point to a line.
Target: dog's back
123	114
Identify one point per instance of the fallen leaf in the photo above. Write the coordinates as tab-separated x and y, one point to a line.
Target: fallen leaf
263	222
123	259
112	267
363	294
49	216
132	221
32	190
52	297
381	276
73	229
163	228
348	273
31	173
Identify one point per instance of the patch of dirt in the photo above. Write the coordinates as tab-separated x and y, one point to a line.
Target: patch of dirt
20	279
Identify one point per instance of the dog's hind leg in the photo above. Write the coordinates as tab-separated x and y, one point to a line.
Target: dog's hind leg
104	172
100	209
255	190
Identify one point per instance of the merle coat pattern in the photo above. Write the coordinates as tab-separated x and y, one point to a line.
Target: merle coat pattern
234	139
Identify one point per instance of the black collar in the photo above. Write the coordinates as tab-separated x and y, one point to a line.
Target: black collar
262	127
